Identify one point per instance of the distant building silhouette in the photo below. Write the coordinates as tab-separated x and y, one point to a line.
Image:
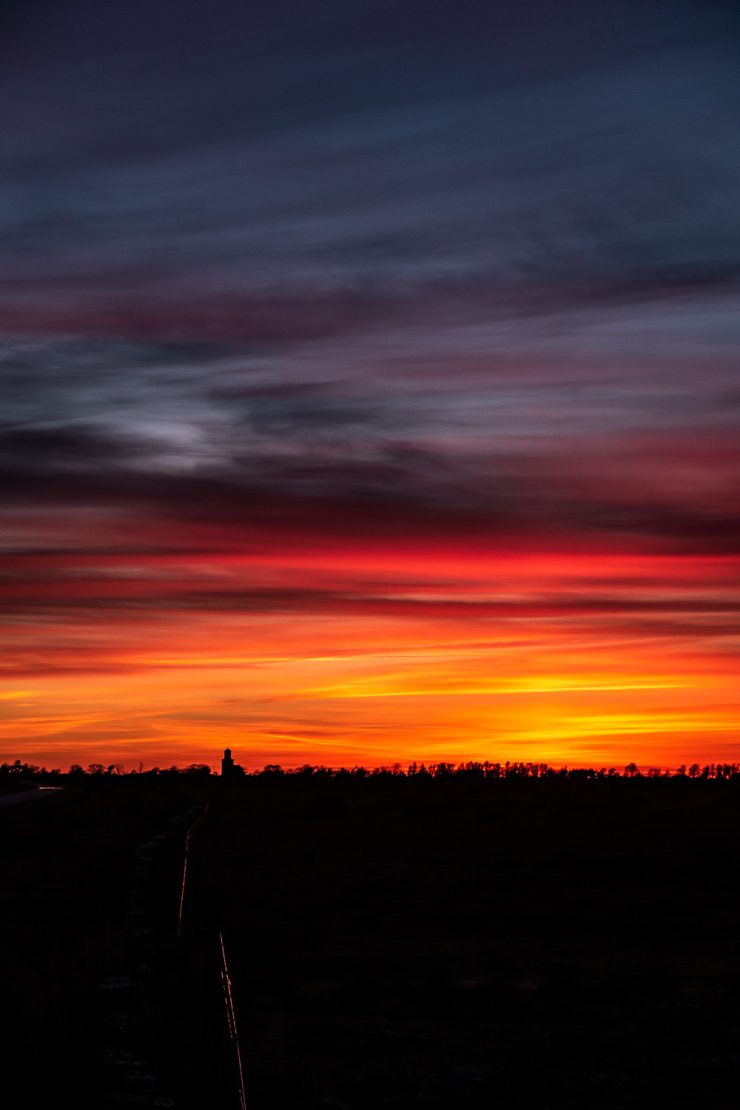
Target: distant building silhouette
229	769
227	765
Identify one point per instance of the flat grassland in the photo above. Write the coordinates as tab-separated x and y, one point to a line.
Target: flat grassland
393	942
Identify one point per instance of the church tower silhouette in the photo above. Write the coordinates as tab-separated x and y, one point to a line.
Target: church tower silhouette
227	765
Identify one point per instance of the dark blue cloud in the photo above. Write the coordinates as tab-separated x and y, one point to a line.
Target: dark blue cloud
328	250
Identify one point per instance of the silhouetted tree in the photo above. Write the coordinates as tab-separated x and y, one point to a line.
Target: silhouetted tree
201	770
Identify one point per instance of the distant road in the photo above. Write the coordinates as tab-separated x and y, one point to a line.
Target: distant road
28	795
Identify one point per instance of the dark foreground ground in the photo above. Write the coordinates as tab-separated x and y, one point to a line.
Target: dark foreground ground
406	943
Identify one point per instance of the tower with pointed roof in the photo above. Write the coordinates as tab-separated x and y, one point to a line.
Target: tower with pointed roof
227	765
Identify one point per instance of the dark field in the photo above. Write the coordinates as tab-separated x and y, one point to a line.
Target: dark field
393	942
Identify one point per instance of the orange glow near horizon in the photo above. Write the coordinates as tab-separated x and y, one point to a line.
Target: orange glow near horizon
390	416
342	658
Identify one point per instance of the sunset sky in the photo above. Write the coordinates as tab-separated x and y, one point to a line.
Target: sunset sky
369	382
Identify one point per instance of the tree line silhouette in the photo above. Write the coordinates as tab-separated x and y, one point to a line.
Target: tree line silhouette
18	774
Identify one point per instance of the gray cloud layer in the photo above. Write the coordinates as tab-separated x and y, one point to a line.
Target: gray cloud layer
398	261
